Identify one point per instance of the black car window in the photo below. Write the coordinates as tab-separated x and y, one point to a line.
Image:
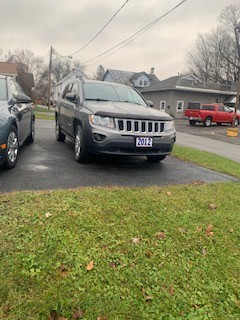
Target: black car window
67	89
3	89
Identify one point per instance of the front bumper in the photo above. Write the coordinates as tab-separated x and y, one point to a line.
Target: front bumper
115	143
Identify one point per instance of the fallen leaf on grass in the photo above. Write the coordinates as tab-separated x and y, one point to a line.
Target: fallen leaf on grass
168	193
102	318
148	253
47	215
182	230
209	232
112	265
148	298
204	252
90	266
78	314
161	235
135	240
212	206
53	315
199	229
171	291
231	230
64	270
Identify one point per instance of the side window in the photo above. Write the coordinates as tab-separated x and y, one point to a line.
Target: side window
75	88
220	108
67	89
15	88
180	106
162	105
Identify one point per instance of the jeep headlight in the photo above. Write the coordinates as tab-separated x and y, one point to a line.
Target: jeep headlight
169	125
106	122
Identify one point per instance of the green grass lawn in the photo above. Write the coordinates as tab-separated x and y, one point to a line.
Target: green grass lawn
43	113
121	253
208	160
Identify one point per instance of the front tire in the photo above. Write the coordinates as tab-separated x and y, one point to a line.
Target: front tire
236	123
156	158
81	153
207	122
192	122
12	149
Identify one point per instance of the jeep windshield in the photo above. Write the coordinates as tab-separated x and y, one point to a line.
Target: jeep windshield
108	92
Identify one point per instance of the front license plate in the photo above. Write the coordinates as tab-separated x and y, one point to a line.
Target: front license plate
144	142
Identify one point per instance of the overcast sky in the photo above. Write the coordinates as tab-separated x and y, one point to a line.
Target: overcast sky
68	25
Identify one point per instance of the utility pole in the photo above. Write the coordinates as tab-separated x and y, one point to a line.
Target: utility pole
49	77
237	35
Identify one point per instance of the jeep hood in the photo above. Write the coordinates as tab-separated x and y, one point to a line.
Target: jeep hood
125	110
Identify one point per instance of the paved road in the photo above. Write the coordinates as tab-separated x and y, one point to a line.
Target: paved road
48	164
225	149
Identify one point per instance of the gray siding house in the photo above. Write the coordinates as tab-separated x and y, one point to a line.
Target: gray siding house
175	94
138	80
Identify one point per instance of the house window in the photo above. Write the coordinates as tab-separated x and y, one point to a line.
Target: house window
162	105
140	82
145	83
180	106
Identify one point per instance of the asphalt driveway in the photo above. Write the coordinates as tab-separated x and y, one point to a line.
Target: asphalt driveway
48	164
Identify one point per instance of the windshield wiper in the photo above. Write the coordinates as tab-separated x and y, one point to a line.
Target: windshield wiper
133	102
97	99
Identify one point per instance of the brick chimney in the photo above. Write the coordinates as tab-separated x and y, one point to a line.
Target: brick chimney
152	71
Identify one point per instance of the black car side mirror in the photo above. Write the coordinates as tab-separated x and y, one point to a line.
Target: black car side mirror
20	98
73	97
150	103
23	98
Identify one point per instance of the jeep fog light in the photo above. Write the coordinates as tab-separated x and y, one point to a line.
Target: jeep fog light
169	125
106	122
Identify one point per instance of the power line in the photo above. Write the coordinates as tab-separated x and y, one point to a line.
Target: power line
134	36
101	29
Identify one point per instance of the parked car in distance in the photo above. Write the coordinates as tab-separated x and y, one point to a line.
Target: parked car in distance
17	122
211	112
112	119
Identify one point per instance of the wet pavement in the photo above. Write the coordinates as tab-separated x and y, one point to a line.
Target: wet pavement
48	164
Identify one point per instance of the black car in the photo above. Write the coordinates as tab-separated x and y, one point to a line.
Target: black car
112	119
17	121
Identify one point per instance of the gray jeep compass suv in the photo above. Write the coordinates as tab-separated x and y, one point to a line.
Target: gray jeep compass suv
112	119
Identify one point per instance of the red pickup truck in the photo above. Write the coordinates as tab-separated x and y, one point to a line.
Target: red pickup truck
211	112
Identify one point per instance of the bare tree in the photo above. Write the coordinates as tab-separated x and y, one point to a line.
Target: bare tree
214	57
30	68
99	73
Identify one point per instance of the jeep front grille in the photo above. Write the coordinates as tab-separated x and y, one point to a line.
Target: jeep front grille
142	127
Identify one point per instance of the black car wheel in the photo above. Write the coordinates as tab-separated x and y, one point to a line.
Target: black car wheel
192	122
59	135
155	158
12	149
31	136
207	122
81	154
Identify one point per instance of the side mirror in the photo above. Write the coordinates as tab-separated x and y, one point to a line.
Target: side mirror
23	98
150	103
20	98
73	97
